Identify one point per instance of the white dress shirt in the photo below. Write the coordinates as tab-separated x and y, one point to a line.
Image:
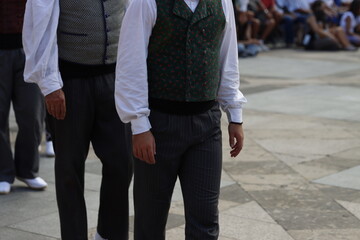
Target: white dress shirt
131	86
353	21
40	44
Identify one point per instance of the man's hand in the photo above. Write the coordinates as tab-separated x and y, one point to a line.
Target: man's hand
144	147
55	104
236	138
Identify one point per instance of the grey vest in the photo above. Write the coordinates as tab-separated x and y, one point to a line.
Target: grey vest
88	30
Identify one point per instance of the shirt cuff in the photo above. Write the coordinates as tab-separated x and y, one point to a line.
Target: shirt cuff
234	115
140	125
50	84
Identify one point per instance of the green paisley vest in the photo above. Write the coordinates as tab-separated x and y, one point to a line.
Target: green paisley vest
184	47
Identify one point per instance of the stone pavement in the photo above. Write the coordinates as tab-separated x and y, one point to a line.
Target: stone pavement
297	178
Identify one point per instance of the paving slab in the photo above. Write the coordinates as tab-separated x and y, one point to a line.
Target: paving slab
349	178
354	208
332	102
292	68
251	222
326	234
7	233
49	225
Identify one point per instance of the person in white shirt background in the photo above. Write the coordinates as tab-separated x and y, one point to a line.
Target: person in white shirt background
70	49
181	65
350	22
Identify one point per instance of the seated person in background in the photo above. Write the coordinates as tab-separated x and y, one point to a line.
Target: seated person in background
265	19
287	22
245	26
350	23
310	30
270	5
244	16
324	36
331	10
240	9
346	3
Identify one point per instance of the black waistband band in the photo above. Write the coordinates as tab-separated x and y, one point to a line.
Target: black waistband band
10	41
76	70
180	108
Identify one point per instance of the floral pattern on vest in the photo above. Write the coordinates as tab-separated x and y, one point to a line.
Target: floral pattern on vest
184	48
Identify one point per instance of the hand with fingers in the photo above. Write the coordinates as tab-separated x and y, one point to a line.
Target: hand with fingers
236	138
144	147
56	105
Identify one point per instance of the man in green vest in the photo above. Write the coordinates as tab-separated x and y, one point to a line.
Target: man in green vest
177	62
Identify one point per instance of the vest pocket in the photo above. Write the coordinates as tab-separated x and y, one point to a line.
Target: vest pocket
74	34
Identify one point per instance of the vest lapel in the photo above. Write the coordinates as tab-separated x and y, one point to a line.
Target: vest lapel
203	10
182	10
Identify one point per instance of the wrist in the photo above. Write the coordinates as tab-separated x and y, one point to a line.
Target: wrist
237	123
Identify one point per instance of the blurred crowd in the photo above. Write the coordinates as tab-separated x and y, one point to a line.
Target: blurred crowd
323	25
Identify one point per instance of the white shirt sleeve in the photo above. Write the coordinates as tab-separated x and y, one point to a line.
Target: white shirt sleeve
131	86
229	95
40	45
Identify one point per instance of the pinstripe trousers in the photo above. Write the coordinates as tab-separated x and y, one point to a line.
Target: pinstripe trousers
91	117
187	147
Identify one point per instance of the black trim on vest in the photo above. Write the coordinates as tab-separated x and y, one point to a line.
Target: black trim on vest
106	31
180	108
11	41
76	70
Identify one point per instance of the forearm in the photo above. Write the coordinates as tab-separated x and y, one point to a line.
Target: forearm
131	86
40	45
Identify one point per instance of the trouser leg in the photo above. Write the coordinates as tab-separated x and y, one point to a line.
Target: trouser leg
200	176
7	169
71	138
154	184
29	112
288	25
47	133
111	140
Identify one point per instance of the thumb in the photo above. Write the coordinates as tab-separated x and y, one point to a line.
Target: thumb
231	139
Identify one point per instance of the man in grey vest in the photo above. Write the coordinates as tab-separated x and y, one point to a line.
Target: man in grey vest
70	51
182	64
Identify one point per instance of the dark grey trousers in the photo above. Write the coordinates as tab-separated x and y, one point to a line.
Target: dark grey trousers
91	117
28	106
188	147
